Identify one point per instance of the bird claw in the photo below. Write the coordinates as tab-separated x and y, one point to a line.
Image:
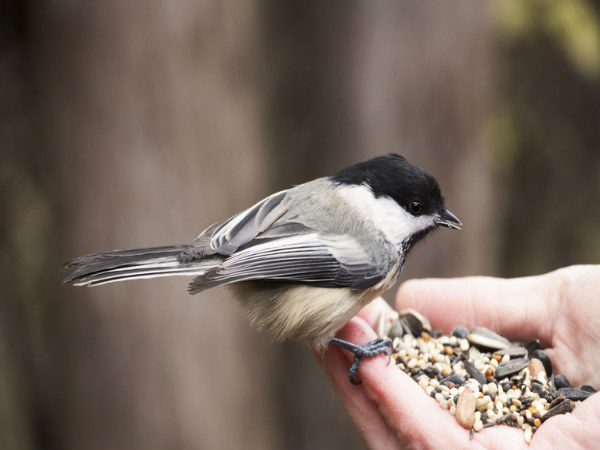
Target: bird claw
371	349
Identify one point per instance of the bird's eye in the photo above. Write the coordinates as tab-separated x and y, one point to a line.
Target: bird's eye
415	208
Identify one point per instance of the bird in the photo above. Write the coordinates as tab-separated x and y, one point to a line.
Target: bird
302	261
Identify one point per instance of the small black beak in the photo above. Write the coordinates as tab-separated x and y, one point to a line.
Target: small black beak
447	219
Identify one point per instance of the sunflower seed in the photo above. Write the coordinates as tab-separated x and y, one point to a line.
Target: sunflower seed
460	332
397	329
560	381
487	338
532	345
513	352
414	322
573	394
511	367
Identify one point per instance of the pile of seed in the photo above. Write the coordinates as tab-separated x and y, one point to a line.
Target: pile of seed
479	376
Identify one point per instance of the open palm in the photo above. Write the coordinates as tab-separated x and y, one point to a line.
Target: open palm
561	308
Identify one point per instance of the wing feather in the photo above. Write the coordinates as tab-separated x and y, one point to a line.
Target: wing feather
227	236
268	243
298	258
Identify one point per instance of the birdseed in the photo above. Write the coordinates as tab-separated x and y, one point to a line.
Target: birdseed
479	376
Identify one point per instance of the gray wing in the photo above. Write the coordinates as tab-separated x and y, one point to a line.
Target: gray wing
295	253
227	236
263	243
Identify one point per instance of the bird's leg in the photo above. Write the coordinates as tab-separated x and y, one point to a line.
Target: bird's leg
376	347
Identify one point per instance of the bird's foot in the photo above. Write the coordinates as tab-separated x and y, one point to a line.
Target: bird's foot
376	347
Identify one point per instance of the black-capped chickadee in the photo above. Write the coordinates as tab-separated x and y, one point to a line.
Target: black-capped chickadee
305	260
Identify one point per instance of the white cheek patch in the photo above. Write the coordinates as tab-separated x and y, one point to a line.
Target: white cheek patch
385	214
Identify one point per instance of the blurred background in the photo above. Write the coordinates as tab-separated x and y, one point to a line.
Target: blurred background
131	124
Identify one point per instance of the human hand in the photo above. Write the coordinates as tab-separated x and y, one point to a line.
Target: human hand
561	309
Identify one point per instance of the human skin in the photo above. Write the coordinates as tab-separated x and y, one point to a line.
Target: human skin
561	309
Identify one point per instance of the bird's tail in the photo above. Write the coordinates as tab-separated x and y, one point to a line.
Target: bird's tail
120	265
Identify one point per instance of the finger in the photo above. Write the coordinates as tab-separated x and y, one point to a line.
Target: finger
362	411
413	416
520	308
577	429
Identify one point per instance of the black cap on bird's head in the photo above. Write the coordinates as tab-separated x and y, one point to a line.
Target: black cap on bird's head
412	187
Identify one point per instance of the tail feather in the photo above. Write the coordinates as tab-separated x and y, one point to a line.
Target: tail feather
120	265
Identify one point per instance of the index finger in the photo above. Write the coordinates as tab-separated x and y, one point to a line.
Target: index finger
519	308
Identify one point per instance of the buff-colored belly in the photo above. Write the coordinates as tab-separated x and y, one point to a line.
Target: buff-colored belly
301	312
